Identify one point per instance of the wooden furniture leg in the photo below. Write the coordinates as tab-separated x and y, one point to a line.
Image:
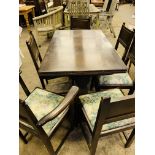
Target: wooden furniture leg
23	137
130	139
33	13
27	21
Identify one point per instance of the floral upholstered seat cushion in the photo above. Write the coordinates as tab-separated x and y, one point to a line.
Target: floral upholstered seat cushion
41	102
91	104
115	79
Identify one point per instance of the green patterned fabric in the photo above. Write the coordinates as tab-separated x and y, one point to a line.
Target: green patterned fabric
115	79
91	104
41	102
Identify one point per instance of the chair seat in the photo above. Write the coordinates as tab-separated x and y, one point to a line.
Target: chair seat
48	28
91	103
41	102
45	29
115	79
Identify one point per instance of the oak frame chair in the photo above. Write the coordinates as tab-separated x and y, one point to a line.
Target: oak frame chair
37	59
119	80
108	117
45	123
79	22
125	38
78	8
131	53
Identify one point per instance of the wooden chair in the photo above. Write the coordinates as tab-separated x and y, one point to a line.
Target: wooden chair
64	83
43	112
107	14
105	113
79	23
49	22
125	38
78	8
118	80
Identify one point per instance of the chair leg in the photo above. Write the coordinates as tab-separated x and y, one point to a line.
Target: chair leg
42	83
94	145
116	46
130	139
23	137
111	27
46	81
49	146
92	83
132	89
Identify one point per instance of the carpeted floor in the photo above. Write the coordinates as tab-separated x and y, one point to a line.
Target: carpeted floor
75	143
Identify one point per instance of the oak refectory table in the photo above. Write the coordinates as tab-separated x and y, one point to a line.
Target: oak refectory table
80	54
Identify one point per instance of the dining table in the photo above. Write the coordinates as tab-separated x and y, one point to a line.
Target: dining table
80	54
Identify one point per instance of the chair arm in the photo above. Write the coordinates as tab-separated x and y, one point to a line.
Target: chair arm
64	27
55	10
107	14
66	102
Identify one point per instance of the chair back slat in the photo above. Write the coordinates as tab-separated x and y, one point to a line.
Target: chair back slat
23	85
78	8
125	36
115	111
123	109
80	23
34	51
47	20
131	54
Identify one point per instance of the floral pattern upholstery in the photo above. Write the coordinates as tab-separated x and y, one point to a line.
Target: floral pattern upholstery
91	103
115	79
41	102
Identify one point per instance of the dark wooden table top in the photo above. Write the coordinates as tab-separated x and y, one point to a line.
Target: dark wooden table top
80	52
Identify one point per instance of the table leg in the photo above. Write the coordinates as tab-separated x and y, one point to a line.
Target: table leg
27	21
83	82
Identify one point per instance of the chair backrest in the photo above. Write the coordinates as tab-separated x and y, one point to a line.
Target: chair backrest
78	7
23	85
79	23
115	111
57	3
53	18
125	38
131	52
34	51
27	120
